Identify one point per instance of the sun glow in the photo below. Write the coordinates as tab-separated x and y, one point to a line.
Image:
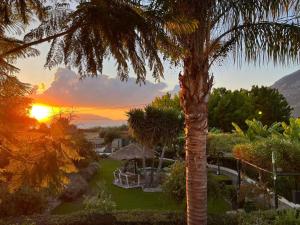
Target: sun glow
40	112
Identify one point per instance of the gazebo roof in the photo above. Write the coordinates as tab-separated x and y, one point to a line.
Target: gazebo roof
132	151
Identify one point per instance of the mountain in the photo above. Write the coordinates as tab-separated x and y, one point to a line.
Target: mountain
289	86
91	120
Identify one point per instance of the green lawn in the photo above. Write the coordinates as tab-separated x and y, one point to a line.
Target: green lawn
132	199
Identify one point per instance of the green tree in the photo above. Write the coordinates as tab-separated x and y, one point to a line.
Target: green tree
155	126
227	106
262	103
270	105
167	101
255	30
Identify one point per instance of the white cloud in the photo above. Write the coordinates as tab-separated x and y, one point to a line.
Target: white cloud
103	91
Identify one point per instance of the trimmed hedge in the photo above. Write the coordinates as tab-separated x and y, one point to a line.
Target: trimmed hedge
289	217
95	218
117	218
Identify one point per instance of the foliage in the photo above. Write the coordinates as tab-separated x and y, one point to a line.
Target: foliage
256	130
14	106
261	103
292	130
260	153
270	105
38	159
153	126
132	37
138	217
227	106
109	135
288	217
174	185
102	201
25	201
253	197
167	101
223	142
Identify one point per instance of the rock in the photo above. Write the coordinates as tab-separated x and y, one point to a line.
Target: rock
75	188
88	172
79	182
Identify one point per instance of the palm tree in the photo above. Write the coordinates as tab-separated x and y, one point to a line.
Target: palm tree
253	30
155	126
14	15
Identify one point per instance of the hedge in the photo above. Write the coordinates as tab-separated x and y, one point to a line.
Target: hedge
117	218
289	217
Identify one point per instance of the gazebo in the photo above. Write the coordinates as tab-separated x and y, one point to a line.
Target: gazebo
123	177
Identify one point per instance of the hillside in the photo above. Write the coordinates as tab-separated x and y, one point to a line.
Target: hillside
289	86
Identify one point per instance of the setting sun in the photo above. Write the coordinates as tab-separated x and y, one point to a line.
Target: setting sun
40	112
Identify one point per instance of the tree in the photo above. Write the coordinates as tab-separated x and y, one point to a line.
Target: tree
30	158
257	31
167	101
155	126
109	134
254	30
270	105
227	106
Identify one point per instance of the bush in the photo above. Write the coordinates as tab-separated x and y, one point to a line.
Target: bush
25	201
257	218
213	186
223	142
260	153
289	217
174	184
99	218
101	202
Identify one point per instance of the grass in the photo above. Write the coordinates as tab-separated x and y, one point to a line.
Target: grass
133	199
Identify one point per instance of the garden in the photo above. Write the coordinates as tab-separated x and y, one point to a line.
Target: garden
136	199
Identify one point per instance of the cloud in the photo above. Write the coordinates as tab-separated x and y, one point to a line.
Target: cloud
175	90
102	92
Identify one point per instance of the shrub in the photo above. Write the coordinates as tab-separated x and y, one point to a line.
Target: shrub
25	201
252	197
174	184
257	218
289	217
260	153
101	202
223	142
213	186
271	217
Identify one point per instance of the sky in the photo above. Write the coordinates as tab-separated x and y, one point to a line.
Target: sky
105	100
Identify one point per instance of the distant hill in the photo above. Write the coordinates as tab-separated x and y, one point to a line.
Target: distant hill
289	86
91	120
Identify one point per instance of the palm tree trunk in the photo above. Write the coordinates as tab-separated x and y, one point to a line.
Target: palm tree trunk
161	159
195	88
144	160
